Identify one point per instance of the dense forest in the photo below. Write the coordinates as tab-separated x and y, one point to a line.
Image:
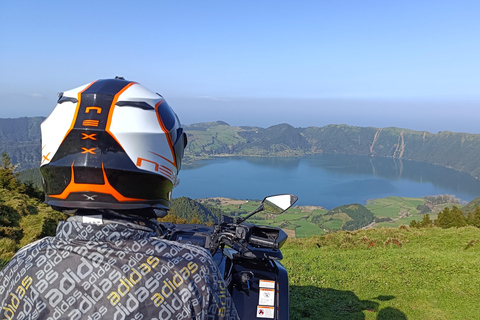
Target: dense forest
360	216
185	210
20	138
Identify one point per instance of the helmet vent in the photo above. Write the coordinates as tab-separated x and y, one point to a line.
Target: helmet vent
135	104
63	99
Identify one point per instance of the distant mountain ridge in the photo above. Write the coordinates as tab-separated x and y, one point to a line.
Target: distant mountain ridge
454	150
20	138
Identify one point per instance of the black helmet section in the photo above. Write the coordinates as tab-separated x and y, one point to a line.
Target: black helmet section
100	188
178	138
91	169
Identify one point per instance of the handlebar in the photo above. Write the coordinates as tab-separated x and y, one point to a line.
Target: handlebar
250	241
262	242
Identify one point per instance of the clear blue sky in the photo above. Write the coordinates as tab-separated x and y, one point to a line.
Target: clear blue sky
412	64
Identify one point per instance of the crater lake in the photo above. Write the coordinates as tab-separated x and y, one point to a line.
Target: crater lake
322	180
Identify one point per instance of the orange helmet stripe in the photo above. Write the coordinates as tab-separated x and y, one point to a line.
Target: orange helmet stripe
110	113
105	188
162	157
76	110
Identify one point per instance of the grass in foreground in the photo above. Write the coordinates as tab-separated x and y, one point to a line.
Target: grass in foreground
385	274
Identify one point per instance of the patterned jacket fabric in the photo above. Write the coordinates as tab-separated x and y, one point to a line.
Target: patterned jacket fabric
112	270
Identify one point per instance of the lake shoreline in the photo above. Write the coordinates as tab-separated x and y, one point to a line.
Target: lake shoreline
191	162
324	180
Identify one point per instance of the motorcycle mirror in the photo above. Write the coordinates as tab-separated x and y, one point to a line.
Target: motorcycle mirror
278	204
274	204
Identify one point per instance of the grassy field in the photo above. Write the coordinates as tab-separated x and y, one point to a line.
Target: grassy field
385	273
305	228
392	206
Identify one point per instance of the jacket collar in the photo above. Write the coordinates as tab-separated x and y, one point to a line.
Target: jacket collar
103	228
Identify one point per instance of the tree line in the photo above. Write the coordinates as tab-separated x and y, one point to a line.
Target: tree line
450	218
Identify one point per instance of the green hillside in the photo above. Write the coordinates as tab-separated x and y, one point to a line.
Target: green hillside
470	207
23	220
360	216
20	138
189	210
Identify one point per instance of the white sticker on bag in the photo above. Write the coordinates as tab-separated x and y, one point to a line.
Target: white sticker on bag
265	312
93	219
267	284
266	297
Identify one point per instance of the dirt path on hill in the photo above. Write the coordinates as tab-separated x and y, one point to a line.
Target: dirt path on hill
227	201
402	214
309	208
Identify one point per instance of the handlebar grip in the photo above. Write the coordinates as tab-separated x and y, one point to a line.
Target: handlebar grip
263	242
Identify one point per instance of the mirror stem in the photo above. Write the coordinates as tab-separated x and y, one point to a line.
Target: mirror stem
240	220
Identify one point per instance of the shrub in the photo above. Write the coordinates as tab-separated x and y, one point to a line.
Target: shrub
7	250
449	218
393	241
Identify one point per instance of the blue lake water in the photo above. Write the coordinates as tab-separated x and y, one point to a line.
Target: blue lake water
322	180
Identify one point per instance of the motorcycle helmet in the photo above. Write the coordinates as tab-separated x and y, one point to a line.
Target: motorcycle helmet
111	144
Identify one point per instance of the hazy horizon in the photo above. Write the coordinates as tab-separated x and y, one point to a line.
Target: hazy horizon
430	116
372	63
